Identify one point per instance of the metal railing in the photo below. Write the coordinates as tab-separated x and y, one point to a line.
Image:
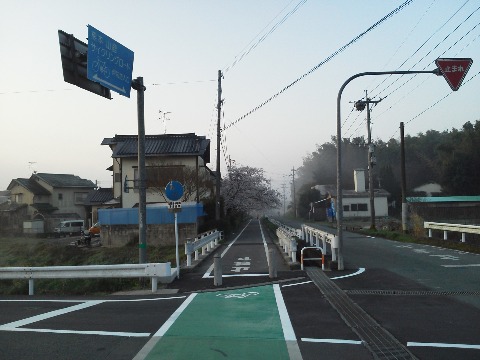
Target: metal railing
288	242
445	227
156	271
205	241
314	237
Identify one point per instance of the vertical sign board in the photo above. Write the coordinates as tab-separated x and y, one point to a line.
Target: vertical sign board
454	70
109	63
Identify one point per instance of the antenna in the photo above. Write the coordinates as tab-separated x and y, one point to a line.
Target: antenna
165	119
30	165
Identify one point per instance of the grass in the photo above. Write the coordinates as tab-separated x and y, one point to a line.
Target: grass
20	251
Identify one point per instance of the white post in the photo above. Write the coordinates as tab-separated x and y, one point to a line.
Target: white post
429	233
445	235
463	237
196	254
176	247
154	283
31	286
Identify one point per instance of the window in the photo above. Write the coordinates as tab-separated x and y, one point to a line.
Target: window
60	196
359	207
80	197
346	207
117	177
362	207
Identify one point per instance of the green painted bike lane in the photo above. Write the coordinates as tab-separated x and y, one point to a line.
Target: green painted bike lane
250	323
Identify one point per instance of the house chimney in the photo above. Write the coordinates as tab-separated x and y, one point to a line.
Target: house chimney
359	179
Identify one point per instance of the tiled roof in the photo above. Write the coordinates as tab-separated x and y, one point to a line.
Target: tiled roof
31	185
64	180
443	199
160	145
99	196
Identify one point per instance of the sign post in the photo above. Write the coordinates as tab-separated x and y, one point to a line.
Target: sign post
109	63
454	70
174	192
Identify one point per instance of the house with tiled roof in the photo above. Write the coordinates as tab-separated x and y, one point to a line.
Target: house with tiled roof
101	198
181	157
51	197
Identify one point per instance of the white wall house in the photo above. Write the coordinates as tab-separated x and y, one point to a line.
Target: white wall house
181	157
356	202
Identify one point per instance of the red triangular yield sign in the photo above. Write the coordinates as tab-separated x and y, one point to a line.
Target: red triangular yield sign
454	70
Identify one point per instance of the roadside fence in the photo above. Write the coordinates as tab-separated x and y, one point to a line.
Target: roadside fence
204	242
446	227
155	271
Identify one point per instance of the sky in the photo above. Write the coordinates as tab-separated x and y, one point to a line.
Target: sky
261	47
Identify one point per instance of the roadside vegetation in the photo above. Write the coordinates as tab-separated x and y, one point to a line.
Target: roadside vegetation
21	251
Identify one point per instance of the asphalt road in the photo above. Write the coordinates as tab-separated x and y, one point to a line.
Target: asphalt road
426	298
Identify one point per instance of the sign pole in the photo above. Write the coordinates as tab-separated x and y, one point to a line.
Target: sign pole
339	204
176	247
137	84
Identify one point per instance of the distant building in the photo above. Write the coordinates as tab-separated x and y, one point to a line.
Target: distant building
356	203
429	189
50	197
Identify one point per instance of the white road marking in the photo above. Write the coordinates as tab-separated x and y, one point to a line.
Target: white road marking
49	315
210	269
164	328
443	345
104	301
460	266
300	283
76	332
265	246
235	275
288	332
358	272
333	341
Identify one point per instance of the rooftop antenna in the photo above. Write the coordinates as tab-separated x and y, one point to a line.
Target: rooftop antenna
30	165
165	119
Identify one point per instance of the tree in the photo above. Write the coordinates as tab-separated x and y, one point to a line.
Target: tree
245	189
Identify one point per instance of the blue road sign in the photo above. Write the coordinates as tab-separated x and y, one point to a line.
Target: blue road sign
174	190
108	62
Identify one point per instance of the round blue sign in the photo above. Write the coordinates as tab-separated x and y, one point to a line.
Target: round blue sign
174	190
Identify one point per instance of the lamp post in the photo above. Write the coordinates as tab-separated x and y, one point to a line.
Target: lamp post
339	149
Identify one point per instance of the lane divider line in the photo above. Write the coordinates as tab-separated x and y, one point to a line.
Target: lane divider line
443	345
333	341
210	269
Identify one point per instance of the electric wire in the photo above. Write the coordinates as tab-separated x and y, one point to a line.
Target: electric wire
245	53
333	55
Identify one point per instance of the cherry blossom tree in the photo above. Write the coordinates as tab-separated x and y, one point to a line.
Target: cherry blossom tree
245	189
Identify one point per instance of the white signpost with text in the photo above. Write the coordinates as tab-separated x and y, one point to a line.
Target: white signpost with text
174	192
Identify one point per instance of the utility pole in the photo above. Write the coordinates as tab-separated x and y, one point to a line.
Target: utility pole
218	179
404	180
283	187
137	84
360	105
293	186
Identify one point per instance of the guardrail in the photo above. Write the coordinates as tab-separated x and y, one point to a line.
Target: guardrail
156	271
288	243
445	227
205	241
314	236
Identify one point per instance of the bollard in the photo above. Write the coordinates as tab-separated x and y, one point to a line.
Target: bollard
31	286
217	270
272	268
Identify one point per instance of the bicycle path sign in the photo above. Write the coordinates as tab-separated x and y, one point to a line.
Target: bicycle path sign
109	63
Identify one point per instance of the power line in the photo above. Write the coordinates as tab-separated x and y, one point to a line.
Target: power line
243	54
339	51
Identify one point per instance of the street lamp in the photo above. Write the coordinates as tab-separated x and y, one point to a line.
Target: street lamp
339	150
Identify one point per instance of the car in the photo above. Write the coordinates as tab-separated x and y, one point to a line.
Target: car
69	228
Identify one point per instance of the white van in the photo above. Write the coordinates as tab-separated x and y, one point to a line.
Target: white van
69	227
